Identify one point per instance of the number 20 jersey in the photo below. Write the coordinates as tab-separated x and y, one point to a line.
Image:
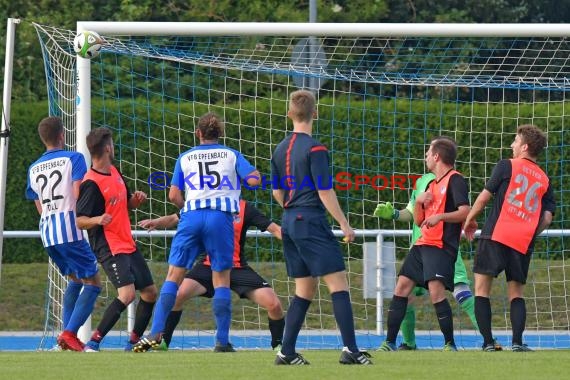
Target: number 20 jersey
50	180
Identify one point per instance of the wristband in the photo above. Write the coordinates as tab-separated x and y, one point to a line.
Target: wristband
396	214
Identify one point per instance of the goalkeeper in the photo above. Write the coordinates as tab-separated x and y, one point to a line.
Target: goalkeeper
461	292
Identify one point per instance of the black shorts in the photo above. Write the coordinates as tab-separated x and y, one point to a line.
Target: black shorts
493	257
124	269
242	280
426	263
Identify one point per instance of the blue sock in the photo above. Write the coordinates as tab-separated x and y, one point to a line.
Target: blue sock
222	308
83	307
163	307
293	323
342	310
69	300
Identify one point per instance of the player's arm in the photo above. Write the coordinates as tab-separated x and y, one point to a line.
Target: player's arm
256	218
330	201
175	196
275	230
91	207
163	222
386	211
253	178
422	201
458	192
136	199
38	204
548	209
279	195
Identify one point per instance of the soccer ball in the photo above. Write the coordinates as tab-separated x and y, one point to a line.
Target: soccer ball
87	44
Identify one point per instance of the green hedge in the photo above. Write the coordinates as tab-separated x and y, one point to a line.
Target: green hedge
366	137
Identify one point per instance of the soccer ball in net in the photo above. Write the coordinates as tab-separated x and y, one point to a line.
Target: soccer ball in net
87	44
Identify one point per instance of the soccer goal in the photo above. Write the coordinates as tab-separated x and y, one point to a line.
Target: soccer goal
384	90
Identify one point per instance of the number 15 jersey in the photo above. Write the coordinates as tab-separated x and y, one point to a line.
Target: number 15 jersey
210	176
50	180
522	193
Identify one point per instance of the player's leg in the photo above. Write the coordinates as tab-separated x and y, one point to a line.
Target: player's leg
118	272
148	294
410	274
438	268
84	266
249	284
190	287
408	326
489	261
305	289
516	273
186	245
58	254
219	243
462	292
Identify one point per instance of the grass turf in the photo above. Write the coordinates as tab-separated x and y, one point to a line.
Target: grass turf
422	364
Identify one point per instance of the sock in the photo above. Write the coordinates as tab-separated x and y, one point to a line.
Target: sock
170	326
396	314
518	319
142	317
408	326
468	306
483	314
110	317
222	308
83	307
276	327
445	319
69	299
293	323
163	306
342	310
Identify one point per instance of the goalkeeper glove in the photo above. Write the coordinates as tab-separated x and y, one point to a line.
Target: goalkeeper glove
386	211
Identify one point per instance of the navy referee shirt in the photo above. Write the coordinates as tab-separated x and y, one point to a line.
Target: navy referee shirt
300	166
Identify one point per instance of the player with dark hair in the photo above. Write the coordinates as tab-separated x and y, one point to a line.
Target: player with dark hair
439	212
103	210
309	246
244	280
524	202
205	187
53	184
461	291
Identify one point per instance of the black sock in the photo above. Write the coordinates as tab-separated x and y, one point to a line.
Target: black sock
170	326
518	319
293	323
110	317
445	319
342	310
483	315
396	314
276	327
142	318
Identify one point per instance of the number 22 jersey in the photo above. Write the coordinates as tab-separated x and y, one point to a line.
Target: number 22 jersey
50	180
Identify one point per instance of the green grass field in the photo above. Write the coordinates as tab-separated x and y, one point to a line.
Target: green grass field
259	365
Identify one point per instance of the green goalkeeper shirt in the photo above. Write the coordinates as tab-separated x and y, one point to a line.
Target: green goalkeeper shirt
421	186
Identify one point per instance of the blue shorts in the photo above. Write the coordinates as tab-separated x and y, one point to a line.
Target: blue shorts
205	230
75	258
309	246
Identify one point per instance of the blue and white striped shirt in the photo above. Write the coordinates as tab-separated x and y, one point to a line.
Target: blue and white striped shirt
50	180
210	176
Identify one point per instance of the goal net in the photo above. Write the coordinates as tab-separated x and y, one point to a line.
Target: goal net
382	96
